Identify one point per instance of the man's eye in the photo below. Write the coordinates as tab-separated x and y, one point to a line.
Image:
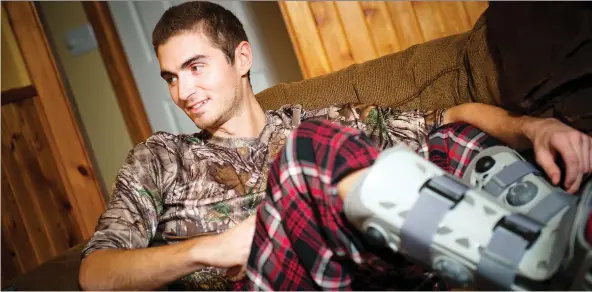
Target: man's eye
197	68
171	80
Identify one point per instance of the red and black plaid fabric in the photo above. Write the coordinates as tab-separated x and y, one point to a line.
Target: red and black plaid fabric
303	240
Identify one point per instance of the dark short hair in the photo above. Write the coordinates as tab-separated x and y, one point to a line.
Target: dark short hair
219	25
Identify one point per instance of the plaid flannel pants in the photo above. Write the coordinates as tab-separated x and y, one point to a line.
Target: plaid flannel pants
303	240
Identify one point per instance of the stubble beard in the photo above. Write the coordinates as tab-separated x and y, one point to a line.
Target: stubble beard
226	113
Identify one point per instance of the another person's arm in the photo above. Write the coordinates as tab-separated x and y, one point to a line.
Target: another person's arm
118	257
495	121
546	136
388	126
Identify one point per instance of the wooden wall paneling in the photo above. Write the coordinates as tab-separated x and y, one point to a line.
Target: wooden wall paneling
441	19
332	35
25	177
14	230
120	73
63	229
59	123
475	9
430	20
38	223
380	26
356	31
406	24
456	18
304	34
38	192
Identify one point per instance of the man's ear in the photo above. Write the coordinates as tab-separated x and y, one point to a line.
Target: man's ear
243	57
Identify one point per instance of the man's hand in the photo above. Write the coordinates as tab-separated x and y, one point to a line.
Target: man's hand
231	249
550	137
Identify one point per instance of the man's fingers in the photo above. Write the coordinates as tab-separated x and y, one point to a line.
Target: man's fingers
545	159
586	159
570	154
578	144
576	184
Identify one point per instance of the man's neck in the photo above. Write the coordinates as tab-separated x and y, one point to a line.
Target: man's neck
248	122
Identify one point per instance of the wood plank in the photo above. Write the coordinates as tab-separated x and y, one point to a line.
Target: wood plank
406	24
311	55
430	19
25	179
356	31
332	35
380	26
475	9
61	225
441	19
14	227
120	73
18	94
456	18
59	123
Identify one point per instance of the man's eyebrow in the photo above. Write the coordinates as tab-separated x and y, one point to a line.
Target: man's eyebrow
192	59
185	64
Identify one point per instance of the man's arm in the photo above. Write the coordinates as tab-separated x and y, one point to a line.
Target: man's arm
154	267
145	268
546	136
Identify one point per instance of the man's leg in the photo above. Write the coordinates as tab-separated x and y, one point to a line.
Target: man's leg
303	240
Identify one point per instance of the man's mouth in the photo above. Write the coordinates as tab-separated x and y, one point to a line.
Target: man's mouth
196	106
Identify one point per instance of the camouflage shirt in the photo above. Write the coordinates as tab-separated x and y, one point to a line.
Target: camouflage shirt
174	187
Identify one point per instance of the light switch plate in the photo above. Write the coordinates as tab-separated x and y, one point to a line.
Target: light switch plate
81	40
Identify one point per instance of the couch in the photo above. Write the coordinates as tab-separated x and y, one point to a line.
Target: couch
437	74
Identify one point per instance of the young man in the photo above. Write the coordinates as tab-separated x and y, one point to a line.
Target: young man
180	212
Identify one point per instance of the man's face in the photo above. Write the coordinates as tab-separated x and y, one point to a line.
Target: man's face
201	80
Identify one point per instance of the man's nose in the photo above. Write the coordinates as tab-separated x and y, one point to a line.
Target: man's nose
186	89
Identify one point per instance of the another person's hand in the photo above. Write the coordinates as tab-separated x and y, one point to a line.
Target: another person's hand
550	137
231	249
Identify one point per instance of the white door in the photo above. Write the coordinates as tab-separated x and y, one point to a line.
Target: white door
135	21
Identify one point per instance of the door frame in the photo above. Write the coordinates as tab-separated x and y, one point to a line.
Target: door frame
119	70
59	122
